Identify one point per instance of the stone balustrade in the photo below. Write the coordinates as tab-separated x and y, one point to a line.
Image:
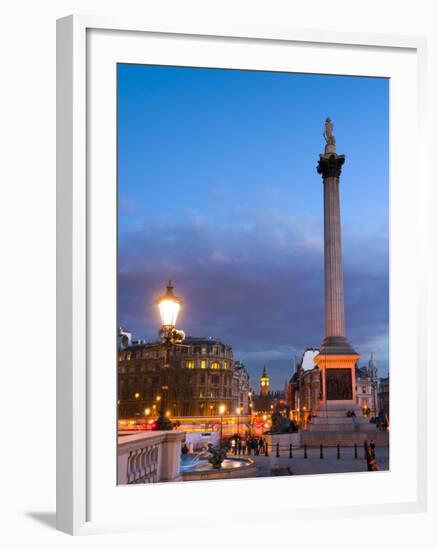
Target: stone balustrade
149	457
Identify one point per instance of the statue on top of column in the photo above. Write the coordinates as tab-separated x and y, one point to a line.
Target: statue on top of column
328	132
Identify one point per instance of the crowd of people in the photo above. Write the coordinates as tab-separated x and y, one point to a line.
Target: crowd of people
248	445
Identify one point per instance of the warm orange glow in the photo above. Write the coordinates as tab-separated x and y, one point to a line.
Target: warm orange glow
137	395
147	411
169	306
221	409
158	397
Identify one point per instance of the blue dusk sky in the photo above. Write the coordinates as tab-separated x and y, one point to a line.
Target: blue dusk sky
218	191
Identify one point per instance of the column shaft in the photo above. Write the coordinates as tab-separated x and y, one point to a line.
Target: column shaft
333	273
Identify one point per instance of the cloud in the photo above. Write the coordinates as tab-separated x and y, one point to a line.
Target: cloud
254	280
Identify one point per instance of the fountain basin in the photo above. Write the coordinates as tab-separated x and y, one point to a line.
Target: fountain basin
232	468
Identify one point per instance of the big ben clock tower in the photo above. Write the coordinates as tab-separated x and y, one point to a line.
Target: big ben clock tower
264	382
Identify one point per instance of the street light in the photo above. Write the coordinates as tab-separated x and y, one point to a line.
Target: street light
221	412
238	414
169	306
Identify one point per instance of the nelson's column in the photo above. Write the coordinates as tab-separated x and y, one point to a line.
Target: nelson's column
337	358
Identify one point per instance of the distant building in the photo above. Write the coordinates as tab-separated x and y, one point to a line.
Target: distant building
264	383
304	387
383	397
366	388
203	375
267	401
243	388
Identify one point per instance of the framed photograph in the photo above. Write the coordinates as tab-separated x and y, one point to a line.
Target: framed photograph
241	299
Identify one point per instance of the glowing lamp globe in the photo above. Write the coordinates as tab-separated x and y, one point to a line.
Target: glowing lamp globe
169	306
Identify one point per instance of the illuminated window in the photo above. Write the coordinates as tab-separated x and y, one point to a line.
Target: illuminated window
215	365
128	356
190	364
225	365
203	364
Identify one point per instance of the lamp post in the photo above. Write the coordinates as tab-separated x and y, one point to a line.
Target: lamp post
221	412
238	413
169	306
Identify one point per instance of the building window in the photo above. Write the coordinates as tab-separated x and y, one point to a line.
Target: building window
203	364
215	365
225	364
203	350
190	364
364	389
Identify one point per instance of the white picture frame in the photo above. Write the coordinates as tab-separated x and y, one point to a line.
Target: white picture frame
79	494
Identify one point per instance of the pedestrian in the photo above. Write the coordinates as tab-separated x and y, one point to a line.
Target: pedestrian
243	446
239	447
371	462
373	447
233	446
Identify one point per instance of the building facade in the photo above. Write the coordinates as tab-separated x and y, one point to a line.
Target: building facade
203	376
383	397
304	387
367	389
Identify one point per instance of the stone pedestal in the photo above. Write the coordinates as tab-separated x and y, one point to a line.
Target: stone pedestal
338	379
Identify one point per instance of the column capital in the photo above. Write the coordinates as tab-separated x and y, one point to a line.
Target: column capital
330	165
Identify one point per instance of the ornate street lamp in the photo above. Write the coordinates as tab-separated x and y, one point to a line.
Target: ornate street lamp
221	412
169	306
238	411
